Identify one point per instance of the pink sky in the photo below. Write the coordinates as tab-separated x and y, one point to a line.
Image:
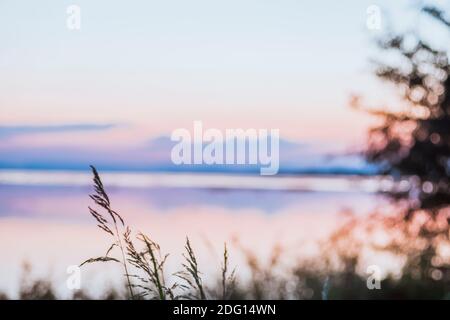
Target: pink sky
154	67
139	70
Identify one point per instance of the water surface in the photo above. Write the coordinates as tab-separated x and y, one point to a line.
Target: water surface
44	217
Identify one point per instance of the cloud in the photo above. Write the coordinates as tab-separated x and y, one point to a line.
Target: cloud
10	131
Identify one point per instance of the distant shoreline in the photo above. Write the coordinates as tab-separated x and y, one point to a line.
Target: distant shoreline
200	180
228	170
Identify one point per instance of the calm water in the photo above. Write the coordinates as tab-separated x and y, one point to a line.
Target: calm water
44	218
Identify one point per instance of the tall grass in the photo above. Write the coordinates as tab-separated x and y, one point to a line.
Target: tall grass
191	274
151	263
228	279
101	199
333	275
148	277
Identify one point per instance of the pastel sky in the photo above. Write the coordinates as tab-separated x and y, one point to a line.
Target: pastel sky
149	67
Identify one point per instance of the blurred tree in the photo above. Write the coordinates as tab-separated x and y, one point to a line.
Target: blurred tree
414	143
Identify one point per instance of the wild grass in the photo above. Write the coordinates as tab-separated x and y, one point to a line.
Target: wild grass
332	275
150	261
147	281
228	279
110	226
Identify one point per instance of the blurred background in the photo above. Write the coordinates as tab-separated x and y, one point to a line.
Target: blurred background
110	93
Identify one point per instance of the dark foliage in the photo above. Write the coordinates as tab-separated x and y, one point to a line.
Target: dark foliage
413	143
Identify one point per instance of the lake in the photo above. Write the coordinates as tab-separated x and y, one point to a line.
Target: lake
44	218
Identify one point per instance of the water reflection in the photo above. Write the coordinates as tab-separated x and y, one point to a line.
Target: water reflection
50	226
